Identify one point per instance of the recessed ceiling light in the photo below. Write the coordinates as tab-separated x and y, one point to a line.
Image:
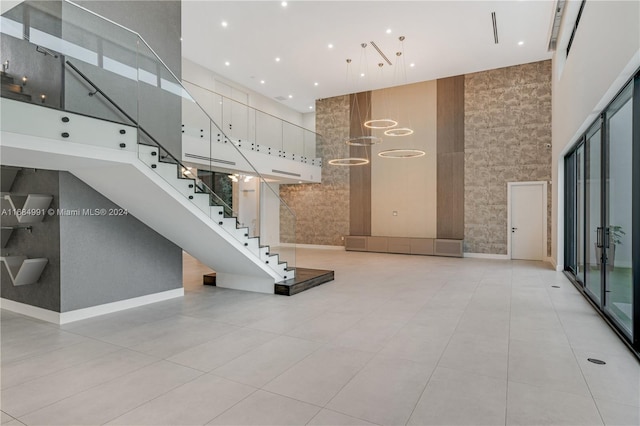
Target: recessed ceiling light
224	24
361	74
227	63
310	106
315	84
284	4
388	30
277	59
412	65
261	81
290	96
330	46
520	43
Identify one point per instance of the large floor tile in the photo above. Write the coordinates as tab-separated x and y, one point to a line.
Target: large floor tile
331	418
213	354
615	414
384	392
483	355
194	403
325	326
103	403
265	408
24	370
460	398
318	378
35	394
532	405
370	334
616	381
546	365
419	343
261	365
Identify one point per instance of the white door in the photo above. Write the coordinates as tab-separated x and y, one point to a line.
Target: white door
527	221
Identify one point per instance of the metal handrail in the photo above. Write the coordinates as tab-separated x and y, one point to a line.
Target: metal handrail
179	81
132	120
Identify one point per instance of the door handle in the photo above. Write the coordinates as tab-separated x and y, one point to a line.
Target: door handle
606	237
513	229
599	237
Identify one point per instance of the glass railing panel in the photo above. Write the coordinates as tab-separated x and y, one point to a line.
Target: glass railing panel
269	132
293	141
86	64
100	60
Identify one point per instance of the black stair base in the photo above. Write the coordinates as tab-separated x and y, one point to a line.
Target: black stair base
304	280
209	279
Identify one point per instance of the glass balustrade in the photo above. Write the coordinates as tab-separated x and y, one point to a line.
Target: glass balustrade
60	55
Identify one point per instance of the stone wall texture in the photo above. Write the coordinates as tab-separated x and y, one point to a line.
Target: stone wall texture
322	210
507	128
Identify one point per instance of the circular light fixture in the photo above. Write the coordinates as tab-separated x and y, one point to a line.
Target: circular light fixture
315	84
227	63
388	30
330	46
363	141
361	74
401	153
351	161
277	59
399	131
520	43
284	4
224	24
261	81
310	106
380	123
412	65
290	96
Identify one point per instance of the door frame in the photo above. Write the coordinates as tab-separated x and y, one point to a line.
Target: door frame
544	185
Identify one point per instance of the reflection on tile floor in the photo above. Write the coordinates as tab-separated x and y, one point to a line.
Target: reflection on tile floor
394	340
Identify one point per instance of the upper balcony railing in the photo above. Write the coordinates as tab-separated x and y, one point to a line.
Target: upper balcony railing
61	55
254	128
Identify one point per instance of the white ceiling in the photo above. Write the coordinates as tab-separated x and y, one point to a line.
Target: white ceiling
443	38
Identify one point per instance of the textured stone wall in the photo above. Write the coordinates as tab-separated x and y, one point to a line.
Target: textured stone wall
322	210
507	125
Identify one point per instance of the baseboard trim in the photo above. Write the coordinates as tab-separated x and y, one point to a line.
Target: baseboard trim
312	246
93	311
550	260
30	311
487	256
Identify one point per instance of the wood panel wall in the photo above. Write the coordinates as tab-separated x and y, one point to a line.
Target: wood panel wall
450	149
360	176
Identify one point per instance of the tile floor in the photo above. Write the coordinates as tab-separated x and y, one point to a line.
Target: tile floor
394	340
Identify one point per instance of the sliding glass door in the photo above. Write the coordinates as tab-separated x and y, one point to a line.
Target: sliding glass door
619	224
602	213
594	232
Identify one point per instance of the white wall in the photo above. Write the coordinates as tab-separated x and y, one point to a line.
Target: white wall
604	55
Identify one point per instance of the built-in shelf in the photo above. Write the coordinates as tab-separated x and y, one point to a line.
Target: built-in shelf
7	178
7	231
405	245
29	208
23	271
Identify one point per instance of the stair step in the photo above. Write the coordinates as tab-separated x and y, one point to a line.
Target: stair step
304	280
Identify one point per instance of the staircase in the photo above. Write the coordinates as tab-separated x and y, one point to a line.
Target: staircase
108	157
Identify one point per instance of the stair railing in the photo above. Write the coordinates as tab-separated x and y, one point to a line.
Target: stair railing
127	73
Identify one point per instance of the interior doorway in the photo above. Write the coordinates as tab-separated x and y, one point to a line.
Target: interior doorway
527	220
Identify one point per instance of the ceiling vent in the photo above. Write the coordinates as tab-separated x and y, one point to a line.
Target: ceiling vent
281	98
495	27
555	28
